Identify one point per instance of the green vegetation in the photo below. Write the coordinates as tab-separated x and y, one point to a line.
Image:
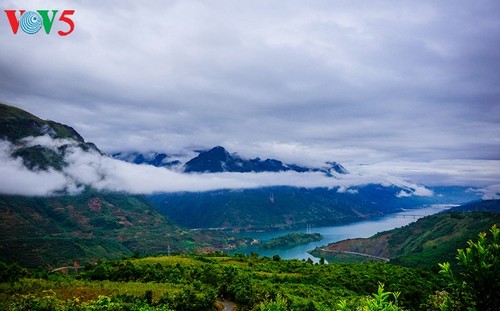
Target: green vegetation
193	282
476	286
274	208
420	244
379	301
40	231
291	240
16	124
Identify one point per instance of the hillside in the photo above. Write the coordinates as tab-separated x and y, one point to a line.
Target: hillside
274	208
18	127
16	124
61	227
90	226
429	240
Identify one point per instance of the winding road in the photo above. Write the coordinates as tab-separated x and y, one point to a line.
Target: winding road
354	253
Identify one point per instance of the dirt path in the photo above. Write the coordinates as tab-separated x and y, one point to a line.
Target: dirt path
228	305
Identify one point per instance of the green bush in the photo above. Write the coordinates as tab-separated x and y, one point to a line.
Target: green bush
476	286
279	304
381	301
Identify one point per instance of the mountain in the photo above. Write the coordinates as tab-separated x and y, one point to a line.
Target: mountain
151	158
19	127
53	230
429	240
218	160
274	208
100	224
482	206
37	231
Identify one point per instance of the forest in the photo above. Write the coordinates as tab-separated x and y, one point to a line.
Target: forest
199	282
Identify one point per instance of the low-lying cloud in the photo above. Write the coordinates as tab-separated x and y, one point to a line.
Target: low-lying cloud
90	168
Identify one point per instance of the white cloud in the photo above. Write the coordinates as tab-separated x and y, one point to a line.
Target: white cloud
456	172
46	141
17	179
491	192
89	168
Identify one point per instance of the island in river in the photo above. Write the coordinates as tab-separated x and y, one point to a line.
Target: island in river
290	240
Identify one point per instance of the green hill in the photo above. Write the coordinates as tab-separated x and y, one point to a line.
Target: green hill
291	240
88	227
273	208
16	125
55	230
429	240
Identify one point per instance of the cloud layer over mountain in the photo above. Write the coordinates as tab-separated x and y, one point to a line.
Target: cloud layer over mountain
89	168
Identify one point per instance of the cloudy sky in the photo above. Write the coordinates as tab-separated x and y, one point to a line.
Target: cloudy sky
407	86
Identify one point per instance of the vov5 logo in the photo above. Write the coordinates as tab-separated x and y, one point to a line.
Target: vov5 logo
32	21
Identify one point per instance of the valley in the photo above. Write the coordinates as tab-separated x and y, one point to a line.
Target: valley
260	245
421	243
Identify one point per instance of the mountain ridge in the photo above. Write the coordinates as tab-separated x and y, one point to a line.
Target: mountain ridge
218	160
88	225
36	231
17	126
44	145
157	159
273	208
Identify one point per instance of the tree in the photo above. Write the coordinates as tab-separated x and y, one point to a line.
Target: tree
476	286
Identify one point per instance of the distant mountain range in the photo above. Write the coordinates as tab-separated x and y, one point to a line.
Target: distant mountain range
218	160
272	208
92	224
150	158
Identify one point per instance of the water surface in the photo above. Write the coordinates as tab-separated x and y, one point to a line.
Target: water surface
362	229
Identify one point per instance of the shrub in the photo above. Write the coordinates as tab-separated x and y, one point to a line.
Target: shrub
279	304
379	302
477	284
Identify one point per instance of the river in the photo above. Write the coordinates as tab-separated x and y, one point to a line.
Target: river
362	229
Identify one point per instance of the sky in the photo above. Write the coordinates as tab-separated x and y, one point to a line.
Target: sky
410	88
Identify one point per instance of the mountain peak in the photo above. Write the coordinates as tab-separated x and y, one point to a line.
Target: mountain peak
219	151
337	167
215	160
218	159
21	128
